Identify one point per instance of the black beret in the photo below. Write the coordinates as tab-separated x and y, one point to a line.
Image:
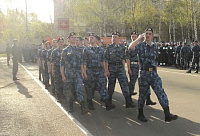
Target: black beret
116	33
149	29
60	39
134	32
71	34
96	36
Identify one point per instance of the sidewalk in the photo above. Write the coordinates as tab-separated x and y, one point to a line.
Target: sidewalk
26	110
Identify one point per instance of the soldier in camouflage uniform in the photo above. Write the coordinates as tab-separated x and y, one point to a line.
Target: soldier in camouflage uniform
93	72
184	54
195	59
56	57
133	70
39	60
49	63
177	54
15	57
47	46
71	72
115	57
148	53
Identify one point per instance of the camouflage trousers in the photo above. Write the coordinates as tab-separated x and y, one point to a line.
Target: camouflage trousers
74	88
52	83
147	79
46	75
58	84
96	81
118	72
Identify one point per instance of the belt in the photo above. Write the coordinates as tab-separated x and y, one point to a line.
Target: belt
134	63
116	64
148	69
95	68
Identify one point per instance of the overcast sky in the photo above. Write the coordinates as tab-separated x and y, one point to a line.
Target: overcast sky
43	8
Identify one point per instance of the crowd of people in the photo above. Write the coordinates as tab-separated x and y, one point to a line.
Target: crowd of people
85	64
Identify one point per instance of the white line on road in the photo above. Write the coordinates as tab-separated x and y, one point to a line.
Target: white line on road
77	123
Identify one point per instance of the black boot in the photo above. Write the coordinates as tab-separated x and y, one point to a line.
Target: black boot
197	71
141	116
189	71
129	104
149	101
83	109
46	86
90	104
70	106
168	115
58	97
109	106
110	98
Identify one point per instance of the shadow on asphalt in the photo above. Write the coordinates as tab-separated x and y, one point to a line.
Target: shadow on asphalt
123	121
22	89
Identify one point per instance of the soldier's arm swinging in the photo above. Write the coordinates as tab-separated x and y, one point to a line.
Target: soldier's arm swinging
52	69
134	43
107	74
49	67
62	70
128	66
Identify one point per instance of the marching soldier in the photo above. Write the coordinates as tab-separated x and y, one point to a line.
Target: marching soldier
47	46
49	63
133	70
56	57
93	72
115	58
147	53
71	72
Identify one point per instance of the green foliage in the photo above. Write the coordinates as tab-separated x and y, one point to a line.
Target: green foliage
13	25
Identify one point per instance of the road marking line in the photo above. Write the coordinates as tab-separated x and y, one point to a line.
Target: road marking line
75	121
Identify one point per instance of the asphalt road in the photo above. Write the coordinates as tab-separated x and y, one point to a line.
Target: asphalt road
26	108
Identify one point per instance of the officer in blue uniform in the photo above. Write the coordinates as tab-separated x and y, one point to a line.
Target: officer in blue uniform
93	72
177	54
115	58
148	53
71	73
195	59
133	70
56	57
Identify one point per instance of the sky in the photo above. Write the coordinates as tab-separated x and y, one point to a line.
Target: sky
43	8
